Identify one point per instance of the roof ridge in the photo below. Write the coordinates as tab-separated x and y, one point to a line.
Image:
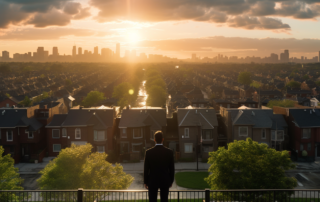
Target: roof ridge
184	117
206	120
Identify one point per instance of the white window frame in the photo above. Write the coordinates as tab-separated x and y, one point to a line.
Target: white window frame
247	131
32	135
53	148
188	144
75	133
263	131
52	134
124	133
135	144
186	133
64	132
303	137
96	135
11	135
133	135
104	149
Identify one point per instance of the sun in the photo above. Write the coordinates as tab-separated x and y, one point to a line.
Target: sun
133	37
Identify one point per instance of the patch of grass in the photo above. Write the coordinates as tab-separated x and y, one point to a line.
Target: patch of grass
192	180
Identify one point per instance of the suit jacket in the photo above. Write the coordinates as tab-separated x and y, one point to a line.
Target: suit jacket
159	166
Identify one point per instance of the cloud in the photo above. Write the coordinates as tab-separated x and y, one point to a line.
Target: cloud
246	14
235	44
40	13
48	33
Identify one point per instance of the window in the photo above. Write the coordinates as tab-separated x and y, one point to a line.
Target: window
55	133
186	133
243	131
100	149
136	133
301	147
99	135
56	147
188	147
206	149
253	105
207	135
280	135
306	133
78	133
64	132
263	134
136	147
124	133
9	135
8	105
202	105
309	146
124	147
31	135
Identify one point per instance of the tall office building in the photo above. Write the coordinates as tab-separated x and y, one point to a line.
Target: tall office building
74	51
40	53
5	55
79	51
106	53
55	51
118	50
96	50
286	55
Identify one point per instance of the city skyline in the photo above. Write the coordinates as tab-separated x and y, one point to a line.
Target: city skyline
108	55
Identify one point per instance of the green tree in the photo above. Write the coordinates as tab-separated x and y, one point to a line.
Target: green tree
68	82
125	93
317	83
294	84
42	76
305	77
281	103
212	96
255	84
9	176
77	166
157	82
249	165
245	78
93	98
8	95
5	69
156	96
26	102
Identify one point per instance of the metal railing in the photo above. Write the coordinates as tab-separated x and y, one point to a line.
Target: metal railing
80	195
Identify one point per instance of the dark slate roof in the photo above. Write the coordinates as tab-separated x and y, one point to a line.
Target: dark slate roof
206	118
10	118
260	119
84	117
130	118
57	120
306	118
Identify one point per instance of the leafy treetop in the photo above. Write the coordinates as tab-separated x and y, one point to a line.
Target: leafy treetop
245	78
93	98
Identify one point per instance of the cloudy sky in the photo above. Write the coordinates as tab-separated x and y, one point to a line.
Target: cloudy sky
176	28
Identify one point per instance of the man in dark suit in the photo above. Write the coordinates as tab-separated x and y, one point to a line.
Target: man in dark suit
158	169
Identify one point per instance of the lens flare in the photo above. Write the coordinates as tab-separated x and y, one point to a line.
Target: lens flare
131	91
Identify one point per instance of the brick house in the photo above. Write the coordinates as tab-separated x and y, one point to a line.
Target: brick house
21	134
8	102
197	127
304	130
260	125
81	126
137	127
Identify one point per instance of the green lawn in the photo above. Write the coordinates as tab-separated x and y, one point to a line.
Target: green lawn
192	180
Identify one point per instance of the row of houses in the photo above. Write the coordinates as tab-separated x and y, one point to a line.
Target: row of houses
29	134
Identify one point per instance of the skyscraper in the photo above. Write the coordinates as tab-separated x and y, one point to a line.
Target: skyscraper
96	50
5	55
79	51
118	50
40	53
74	51
286	55
106	53
55	51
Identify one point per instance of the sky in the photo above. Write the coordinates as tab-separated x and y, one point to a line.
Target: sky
176	28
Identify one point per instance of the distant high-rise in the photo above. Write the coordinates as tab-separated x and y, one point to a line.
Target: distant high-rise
5	55
286	55
79	51
106	52
74	51
40	53
96	50
194	56
55	51
118	50
319	57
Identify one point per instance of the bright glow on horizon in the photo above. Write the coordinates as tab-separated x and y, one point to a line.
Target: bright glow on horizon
133	37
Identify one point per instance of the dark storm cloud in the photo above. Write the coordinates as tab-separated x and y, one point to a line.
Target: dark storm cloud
248	22
40	13
235	43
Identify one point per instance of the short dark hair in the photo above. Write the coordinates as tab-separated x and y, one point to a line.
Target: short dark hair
158	136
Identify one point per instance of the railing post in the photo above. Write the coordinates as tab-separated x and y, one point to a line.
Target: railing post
207	195
274	196
80	195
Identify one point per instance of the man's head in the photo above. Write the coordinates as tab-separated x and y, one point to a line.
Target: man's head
158	137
